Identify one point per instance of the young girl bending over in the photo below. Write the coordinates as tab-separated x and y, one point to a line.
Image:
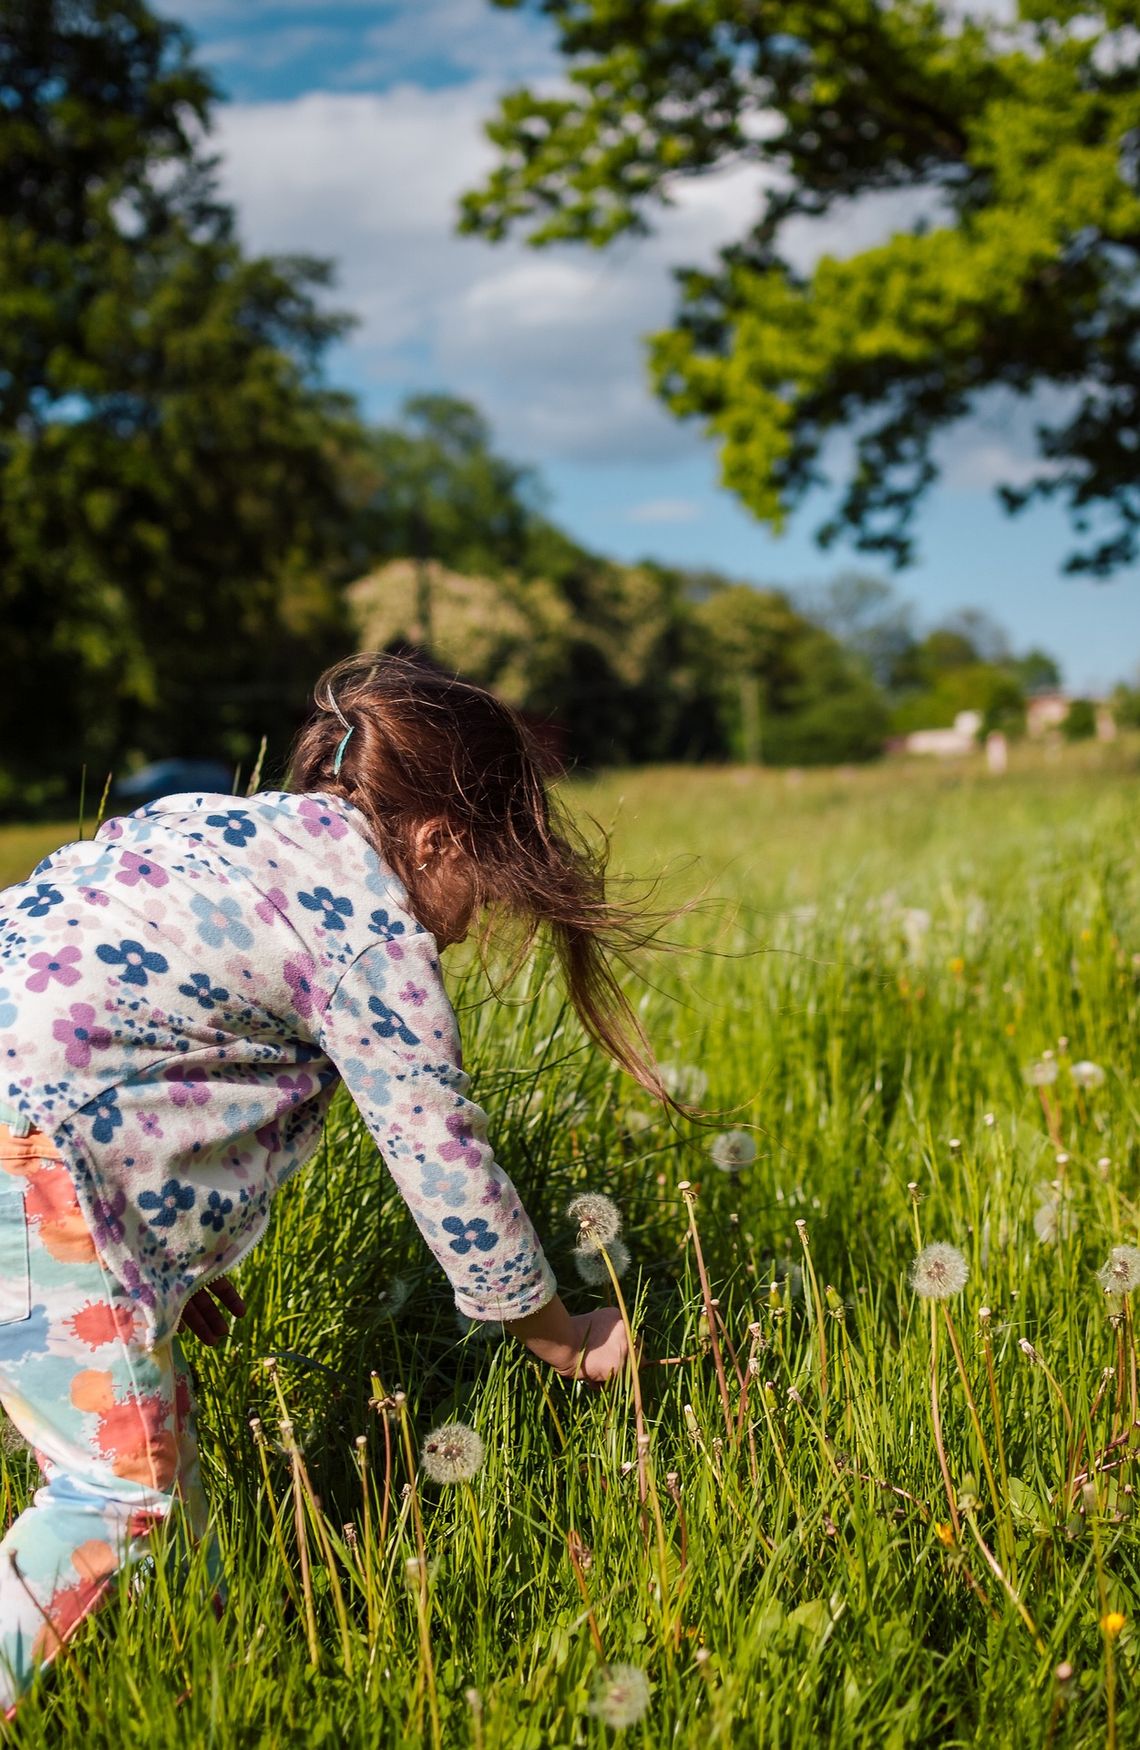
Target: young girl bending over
180	997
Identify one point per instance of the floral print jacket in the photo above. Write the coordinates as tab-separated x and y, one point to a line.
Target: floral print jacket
179	997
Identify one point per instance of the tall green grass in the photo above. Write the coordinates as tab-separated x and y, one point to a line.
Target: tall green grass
873	961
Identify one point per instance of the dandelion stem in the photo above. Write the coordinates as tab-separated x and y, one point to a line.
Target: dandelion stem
647	1482
995	1568
578	1553
817	1315
422	1595
936	1418
690	1197
1001	1513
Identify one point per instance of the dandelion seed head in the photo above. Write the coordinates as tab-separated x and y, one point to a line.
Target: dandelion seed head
598	1218
452	1453
1042	1074
394	1298
686	1082
621	1696
1121	1274
732	1150
939	1271
591	1266
1051	1224
1086	1074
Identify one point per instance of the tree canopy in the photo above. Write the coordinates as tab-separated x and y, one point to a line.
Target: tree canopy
169	475
1017	144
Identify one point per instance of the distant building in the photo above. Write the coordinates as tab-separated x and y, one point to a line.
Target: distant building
947	744
1045	711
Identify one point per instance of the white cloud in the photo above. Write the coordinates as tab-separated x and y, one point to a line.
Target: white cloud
665	510
548	343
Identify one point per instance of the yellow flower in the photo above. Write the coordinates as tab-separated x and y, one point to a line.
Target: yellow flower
957	965
1112	1623
944	1533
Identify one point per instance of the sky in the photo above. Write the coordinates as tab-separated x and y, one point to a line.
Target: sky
350	129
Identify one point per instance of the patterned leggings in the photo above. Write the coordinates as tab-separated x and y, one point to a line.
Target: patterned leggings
110	1422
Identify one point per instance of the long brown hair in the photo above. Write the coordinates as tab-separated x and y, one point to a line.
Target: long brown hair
426	745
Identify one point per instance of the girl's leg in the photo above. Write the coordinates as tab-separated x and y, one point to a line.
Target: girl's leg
111	1423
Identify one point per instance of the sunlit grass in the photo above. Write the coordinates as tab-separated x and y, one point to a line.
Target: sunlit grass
880	959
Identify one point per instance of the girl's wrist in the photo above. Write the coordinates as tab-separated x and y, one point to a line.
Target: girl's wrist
548	1333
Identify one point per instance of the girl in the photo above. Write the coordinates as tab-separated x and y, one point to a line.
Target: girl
182	994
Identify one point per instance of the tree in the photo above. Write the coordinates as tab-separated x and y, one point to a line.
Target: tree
1037	671
169	462
790	694
1019	146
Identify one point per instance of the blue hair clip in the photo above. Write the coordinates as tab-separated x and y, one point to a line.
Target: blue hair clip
341	745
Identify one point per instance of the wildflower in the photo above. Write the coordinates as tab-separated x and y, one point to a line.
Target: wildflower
939	1272
598	1218
944	1533
955	1144
591	1266
621	1696
988	1120
1112	1622
732	1150
1086	1074
686	1082
452	1453
1042	1074
1122	1272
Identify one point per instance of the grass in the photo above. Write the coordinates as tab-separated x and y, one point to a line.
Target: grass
877	959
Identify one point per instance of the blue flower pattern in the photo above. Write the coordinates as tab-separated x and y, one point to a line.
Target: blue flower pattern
333	909
177	1170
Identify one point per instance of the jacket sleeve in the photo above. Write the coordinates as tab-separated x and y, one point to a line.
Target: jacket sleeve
390	1032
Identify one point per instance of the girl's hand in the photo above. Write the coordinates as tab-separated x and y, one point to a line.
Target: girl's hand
204	1319
590	1346
602	1346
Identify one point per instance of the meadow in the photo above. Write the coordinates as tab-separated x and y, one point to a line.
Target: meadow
828	1509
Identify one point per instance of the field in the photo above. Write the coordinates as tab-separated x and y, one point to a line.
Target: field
891	979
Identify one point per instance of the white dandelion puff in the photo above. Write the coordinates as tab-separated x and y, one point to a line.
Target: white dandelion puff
1122	1272
1041	1074
732	1150
598	1218
635	1123
452	1453
915	924
686	1082
621	1696
1053	1221
394	1298
939	1272
591	1266
1086	1074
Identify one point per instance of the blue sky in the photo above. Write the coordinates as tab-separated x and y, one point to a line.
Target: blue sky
349	130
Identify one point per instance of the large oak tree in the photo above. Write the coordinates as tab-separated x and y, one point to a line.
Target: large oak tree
1018	141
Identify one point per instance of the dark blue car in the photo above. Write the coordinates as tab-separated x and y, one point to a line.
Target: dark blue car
172	778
